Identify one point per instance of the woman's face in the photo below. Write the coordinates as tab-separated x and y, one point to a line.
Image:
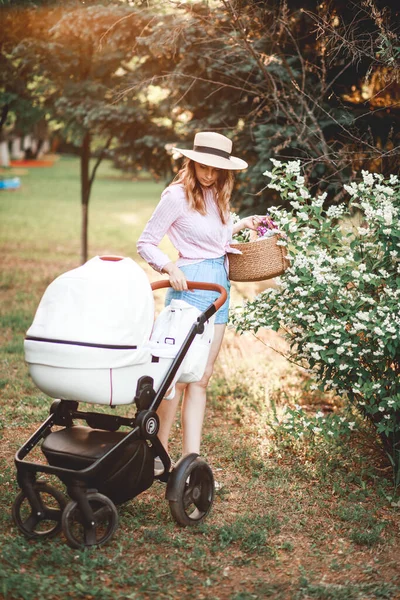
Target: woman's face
207	176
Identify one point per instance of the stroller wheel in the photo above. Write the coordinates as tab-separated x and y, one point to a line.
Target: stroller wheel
195	494
48	523
105	517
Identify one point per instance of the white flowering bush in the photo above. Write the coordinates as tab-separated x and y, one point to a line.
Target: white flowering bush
338	303
319	427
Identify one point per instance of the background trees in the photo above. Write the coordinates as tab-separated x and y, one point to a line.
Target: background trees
76	58
311	80
317	81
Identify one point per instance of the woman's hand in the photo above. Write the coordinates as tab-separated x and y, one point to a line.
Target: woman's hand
248	223
177	278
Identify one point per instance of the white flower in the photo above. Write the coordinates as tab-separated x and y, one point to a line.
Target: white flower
352	425
388	216
275	186
385	189
303	216
269	174
294	278
363	230
318	202
276	163
351	189
364	316
368	178
293	166
334	212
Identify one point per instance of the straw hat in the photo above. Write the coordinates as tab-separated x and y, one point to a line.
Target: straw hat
214	150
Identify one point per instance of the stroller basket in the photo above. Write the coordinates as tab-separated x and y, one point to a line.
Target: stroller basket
128	471
101	464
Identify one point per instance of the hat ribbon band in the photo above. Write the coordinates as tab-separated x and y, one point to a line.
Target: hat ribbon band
208	150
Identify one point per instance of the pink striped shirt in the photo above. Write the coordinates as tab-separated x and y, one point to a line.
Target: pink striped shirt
195	236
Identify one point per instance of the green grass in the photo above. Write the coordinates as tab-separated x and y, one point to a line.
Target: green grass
42	220
290	522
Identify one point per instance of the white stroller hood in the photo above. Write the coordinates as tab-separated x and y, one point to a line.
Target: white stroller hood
105	302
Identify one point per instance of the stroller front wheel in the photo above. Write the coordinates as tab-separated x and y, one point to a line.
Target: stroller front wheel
47	523
194	494
105	522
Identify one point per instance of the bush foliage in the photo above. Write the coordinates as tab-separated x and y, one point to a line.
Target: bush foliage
338	302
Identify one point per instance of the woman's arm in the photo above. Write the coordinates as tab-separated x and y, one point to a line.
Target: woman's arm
166	212
247	223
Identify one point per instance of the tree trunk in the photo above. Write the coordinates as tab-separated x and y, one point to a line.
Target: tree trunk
85	194
4	155
38	149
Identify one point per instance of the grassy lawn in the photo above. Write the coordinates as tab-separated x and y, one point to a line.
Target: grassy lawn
289	522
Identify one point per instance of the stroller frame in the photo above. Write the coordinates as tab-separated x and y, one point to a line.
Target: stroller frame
189	483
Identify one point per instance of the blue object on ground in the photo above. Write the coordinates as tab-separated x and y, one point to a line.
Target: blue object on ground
10	184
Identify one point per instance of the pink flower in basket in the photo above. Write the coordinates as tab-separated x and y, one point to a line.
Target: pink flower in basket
266	225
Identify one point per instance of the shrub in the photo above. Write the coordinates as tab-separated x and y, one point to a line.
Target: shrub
338	303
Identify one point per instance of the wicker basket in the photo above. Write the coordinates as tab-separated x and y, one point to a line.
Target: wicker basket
259	260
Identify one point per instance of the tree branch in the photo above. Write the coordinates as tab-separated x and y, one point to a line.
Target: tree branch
99	159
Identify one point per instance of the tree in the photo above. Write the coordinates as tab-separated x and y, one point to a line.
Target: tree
19	112
79	58
287	80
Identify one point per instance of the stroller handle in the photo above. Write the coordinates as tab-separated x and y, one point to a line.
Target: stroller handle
196	285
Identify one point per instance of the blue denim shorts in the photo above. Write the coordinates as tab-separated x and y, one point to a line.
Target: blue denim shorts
210	270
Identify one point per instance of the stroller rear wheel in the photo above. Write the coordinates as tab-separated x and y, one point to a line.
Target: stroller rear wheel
194	494
47	523
105	522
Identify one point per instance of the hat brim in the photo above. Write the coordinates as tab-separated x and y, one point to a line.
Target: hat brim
211	160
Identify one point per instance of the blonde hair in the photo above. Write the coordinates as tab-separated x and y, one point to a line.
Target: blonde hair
194	192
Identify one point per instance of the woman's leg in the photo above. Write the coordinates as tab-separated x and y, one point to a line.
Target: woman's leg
194	401
167	411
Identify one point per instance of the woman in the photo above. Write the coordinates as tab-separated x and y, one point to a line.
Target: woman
194	212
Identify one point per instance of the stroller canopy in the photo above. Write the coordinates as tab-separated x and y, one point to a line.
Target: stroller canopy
106	301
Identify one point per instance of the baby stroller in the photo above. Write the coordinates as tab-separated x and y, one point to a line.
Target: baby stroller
94	340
